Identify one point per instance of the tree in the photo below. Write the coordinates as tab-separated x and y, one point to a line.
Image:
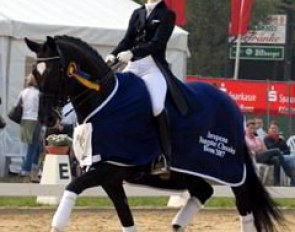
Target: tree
208	22
139	1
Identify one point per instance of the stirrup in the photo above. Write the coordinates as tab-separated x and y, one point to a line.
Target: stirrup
160	166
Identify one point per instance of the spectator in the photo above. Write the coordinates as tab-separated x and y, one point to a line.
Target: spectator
68	120
259	128
275	140
30	128
2	121
66	126
254	143
271	155
67	123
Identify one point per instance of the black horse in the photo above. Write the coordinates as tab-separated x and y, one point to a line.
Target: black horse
125	141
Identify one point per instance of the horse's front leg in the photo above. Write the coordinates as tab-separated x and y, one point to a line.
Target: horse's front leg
98	175
117	194
76	187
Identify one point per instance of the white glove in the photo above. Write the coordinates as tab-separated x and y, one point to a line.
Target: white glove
110	58
125	57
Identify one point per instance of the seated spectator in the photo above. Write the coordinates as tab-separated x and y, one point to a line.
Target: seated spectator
257	147
274	140
254	143
259	128
272	156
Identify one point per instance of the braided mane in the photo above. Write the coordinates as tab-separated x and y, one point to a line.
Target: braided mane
79	43
89	59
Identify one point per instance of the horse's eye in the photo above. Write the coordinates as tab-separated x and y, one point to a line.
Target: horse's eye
41	67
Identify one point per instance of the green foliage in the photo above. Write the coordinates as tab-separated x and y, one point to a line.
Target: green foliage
208	27
208	22
263	8
59	140
139	1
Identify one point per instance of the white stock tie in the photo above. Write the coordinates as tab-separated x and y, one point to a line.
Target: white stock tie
149	10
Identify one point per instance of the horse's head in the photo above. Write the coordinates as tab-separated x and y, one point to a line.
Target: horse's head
48	71
59	60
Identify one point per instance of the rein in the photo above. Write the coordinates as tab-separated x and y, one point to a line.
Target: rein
48	59
81	77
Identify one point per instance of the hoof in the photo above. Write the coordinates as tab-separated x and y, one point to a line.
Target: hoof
177	228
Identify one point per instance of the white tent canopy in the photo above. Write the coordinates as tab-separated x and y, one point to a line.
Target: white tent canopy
101	23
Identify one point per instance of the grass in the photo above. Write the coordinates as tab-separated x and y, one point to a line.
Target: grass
91	202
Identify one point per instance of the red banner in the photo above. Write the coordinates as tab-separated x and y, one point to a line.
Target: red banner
178	6
240	18
257	97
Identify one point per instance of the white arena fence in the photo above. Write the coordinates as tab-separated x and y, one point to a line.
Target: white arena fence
22	189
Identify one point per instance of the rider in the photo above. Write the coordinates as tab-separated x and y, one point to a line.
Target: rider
143	48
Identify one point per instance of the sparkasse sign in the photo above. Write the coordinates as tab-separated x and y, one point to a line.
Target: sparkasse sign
277	98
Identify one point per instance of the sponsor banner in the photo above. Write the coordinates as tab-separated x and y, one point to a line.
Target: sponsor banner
178	6
256	96
259	52
240	16
271	32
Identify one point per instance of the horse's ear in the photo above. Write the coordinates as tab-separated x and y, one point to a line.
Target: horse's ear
50	42
33	46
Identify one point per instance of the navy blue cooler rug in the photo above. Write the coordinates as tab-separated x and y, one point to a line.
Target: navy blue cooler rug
209	141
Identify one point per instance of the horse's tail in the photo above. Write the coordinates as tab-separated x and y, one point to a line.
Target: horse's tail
266	213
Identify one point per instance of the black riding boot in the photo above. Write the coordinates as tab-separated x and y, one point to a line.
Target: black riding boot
162	164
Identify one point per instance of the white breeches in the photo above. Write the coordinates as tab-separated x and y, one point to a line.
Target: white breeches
154	80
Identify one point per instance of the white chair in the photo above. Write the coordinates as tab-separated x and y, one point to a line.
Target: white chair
291	143
284	179
262	170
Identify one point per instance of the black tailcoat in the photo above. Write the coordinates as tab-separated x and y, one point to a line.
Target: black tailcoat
149	36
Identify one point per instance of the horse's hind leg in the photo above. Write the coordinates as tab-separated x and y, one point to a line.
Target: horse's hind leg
200	191
257	209
120	201
244	206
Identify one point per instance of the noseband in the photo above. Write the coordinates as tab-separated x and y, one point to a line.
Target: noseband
60	95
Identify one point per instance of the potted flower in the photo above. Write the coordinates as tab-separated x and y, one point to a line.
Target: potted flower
58	144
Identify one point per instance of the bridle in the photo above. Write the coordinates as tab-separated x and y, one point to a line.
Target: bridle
60	97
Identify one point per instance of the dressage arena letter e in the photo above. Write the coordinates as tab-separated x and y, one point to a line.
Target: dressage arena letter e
216	145
64	171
